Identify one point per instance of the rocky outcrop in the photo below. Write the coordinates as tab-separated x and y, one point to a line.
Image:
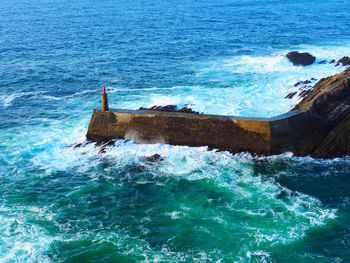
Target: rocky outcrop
300	59
304	89
329	105
170	108
344	61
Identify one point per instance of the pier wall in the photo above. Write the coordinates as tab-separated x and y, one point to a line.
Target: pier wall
235	134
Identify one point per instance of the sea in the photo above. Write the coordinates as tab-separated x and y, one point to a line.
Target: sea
61	203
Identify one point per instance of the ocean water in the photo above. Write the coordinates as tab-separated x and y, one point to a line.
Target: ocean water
59	203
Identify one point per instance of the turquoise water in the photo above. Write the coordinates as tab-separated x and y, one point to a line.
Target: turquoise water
64	204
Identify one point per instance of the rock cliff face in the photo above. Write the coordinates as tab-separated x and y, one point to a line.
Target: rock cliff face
329	106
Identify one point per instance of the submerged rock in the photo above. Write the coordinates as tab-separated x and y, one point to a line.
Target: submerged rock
344	61
290	95
300	59
303	82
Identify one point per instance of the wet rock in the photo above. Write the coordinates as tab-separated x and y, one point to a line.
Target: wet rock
103	145
328	105
297	84
344	61
290	95
304	93
313	79
170	108
78	145
303	82
300	59
153	158
322	62
332	61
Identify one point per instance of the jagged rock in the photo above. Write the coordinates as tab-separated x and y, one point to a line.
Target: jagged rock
337	141
290	95
344	61
300	59
78	145
304	93
303	82
322	62
170	108
332	61
328	105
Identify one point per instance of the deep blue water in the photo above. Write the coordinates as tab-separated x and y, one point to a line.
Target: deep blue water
65	204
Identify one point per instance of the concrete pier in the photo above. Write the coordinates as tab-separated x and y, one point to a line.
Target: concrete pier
318	126
235	134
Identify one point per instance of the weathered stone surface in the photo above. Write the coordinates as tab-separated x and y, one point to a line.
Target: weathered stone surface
337	141
235	134
300	59
329	106
304	93
344	61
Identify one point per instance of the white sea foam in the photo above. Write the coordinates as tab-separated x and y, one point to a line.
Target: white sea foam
7	100
253	195
22	241
242	85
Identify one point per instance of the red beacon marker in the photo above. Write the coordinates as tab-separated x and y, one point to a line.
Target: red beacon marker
104	100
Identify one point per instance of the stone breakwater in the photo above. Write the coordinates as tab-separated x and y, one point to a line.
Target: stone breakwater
318	126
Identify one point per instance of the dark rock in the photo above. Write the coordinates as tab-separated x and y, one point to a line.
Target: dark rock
337	141
322	62
303	87
170	108
344	61
304	93
332	61
153	158
303	82
300	59
290	95
78	145
298	83
103	145
313	79
329	106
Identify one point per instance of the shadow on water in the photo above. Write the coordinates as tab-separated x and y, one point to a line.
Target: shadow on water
328	181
